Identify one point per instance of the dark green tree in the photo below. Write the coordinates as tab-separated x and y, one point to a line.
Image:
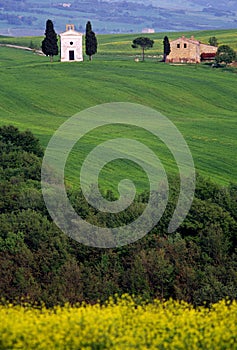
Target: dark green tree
12	137
213	41
225	54
91	41
49	44
166	44
40	264
144	43
88	27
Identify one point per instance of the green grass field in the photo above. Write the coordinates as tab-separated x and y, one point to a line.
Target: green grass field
120	44
199	100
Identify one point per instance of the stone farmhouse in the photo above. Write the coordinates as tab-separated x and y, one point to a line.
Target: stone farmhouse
187	50
71	45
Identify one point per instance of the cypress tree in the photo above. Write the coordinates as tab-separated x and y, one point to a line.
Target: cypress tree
49	44
166	44
91	41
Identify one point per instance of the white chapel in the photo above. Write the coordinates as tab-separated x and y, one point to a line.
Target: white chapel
71	45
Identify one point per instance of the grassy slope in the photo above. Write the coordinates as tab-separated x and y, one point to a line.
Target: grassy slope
200	101
121	43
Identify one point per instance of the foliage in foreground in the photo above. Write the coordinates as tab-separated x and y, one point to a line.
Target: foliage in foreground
39	263
124	324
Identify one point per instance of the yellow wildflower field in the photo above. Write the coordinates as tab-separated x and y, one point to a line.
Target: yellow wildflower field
121	324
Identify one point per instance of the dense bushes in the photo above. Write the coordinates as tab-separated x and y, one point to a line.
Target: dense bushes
38	262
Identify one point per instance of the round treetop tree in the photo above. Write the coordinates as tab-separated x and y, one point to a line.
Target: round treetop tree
144	43
213	41
225	54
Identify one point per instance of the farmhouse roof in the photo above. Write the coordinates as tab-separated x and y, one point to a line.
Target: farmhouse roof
190	40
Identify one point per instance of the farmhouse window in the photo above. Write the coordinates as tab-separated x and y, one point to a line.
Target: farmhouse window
185	46
178	46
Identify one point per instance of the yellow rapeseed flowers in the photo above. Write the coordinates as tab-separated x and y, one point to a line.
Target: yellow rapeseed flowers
120	324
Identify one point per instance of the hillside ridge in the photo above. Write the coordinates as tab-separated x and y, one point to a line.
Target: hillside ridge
28	17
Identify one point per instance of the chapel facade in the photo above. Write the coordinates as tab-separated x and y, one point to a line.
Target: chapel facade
71	45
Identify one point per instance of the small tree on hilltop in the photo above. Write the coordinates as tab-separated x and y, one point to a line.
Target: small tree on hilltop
144	43
225	54
49	44
91	41
166	44
213	41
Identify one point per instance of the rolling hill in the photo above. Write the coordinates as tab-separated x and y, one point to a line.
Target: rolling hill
199	100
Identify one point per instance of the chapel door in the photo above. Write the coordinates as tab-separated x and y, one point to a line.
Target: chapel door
71	55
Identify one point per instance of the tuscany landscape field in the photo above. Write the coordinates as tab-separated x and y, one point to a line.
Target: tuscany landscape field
199	100
166	290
